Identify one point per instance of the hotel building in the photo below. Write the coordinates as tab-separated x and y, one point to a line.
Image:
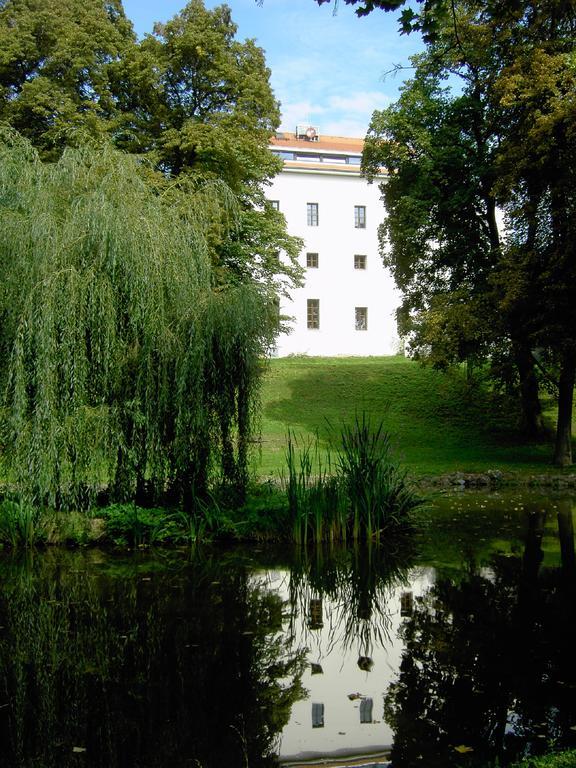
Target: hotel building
348	301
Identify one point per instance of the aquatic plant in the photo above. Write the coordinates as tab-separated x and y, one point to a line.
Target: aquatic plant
21	524
314	497
377	490
360	494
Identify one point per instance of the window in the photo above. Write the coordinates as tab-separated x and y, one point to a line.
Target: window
406	604
275	204
312	214
312	260
359	261
360	216
313	314
361	318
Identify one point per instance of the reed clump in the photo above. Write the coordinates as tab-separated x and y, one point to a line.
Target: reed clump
359	492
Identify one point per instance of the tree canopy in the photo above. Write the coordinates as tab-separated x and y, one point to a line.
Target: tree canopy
502	139
126	367
59	69
140	259
191	98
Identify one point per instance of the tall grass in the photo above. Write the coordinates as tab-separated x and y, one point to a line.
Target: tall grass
21	524
376	488
314	498
360	494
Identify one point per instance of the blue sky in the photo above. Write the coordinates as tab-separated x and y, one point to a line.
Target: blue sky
327	69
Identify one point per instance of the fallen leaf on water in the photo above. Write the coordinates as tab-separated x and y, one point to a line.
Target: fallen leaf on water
463	749
573	727
354	696
78	750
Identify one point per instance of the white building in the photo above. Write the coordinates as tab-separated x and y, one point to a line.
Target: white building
347	304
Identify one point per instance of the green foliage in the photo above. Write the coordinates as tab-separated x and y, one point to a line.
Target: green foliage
363	497
202	108
125	368
20	524
59	69
506	140
137	297
128	525
316	506
204	99
378	492
192	98
442	245
554	760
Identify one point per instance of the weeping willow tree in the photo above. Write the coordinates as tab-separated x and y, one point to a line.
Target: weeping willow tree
123	367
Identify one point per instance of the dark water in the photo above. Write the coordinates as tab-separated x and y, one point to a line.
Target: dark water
455	649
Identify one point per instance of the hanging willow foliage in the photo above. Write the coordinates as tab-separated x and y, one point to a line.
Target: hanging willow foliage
123	368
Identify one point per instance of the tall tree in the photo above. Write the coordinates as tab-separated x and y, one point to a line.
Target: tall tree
126	368
192	98
200	105
139	293
441	237
515	101
537	163
59	62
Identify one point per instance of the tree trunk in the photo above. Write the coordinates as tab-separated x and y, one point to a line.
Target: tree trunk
532	423
563	448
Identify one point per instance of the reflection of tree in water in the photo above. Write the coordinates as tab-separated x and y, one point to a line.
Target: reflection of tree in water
351	589
488	665
149	668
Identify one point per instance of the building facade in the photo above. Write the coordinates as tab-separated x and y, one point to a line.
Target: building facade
347	304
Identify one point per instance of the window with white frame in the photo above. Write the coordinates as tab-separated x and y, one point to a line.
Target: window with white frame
312	214
360	216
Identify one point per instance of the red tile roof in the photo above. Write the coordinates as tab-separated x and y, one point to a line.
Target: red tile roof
326	143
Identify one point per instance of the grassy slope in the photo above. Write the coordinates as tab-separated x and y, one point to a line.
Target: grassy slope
437	425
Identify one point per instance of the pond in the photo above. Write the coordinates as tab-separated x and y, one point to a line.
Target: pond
455	649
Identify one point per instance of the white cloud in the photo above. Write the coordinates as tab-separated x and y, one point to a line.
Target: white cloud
297	112
363	101
327	68
335	115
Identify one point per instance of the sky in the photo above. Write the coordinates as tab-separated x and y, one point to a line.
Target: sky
328	69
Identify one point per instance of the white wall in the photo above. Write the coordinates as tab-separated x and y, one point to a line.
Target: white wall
339	287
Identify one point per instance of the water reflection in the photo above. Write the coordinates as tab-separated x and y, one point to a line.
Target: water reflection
487	672
128	663
345	607
457	650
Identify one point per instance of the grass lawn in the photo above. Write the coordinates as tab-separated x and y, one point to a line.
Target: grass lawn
437	422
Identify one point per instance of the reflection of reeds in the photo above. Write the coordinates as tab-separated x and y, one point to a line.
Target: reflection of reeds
355	585
361	495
